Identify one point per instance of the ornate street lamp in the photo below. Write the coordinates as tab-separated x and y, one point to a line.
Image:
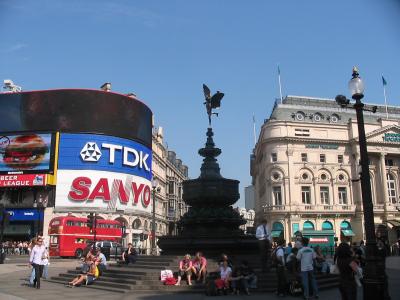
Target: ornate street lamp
374	271
155	189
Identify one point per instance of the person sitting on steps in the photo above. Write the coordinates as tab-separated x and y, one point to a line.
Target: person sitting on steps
200	266
88	278
129	256
185	269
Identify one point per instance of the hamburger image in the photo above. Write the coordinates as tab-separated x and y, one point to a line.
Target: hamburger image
25	152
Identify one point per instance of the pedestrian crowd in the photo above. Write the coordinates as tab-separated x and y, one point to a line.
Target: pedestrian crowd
16	247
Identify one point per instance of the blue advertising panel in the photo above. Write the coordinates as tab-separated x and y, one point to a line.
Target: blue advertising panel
25	153
21	214
104	153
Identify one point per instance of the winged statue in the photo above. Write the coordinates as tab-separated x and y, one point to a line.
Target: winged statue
212	102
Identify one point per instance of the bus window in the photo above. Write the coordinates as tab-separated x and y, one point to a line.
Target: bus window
80	241
70	223
55	223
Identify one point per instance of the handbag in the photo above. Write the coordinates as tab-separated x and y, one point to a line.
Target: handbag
334	269
295	288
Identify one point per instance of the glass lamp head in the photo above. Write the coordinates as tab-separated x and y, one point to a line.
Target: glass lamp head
356	85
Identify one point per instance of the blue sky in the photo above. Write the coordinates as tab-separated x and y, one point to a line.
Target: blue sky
165	50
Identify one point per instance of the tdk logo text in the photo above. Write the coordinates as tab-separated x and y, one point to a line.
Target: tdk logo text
130	156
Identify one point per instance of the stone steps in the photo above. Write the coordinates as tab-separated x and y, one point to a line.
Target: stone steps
143	277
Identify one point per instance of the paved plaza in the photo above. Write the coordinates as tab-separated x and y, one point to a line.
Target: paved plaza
14	274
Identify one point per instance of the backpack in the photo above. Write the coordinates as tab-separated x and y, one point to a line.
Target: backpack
211	288
170	281
274	258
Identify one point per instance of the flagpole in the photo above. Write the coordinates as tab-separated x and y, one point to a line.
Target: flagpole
384	95
254	131
280	85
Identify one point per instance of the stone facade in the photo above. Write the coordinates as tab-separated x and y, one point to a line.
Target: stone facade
305	167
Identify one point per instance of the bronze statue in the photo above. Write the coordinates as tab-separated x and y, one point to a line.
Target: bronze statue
212	102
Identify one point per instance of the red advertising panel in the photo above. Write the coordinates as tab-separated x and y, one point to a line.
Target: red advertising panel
22	180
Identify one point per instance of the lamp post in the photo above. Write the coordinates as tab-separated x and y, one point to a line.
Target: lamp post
155	188
374	271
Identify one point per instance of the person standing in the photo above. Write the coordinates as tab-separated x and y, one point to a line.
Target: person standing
306	256
347	267
264	244
280	268
35	259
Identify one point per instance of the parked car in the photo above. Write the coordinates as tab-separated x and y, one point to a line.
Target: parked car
108	248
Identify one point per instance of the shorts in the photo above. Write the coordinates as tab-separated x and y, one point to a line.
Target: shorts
90	279
183	273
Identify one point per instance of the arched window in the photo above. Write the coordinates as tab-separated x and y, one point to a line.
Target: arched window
277	226
391	188
146	225
345	225
308	225
136	224
327	225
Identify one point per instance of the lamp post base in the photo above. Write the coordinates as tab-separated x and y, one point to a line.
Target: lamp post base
375	285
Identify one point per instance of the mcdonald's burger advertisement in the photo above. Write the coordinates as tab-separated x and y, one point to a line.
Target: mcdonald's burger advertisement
103	172
25	159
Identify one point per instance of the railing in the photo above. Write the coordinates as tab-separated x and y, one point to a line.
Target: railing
313	208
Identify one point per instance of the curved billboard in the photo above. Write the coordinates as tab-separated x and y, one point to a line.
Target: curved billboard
70	110
103	173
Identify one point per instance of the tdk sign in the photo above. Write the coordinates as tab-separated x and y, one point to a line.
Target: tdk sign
106	153
91	152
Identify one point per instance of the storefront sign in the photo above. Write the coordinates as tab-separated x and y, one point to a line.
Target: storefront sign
318	240
392	137
322	146
22	180
18	214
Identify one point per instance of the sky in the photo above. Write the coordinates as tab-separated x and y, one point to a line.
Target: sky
163	51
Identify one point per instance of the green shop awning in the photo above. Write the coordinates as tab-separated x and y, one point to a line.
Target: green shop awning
276	233
348	232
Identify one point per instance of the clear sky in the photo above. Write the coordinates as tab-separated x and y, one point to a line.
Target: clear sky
164	51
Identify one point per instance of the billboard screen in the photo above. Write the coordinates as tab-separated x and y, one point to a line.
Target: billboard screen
76	111
26	153
103	172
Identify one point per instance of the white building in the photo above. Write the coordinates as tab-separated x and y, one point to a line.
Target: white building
305	168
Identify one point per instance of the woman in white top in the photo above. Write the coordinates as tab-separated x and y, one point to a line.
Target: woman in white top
225	275
35	259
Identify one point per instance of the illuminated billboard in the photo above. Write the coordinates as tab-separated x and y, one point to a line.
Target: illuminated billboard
103	172
26	153
76	110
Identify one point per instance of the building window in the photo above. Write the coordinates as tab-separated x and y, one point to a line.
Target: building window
391	188
277	194
274	157
304	176
317	117
322	158
304	157
389	162
334	118
171	187
324	194
340	159
305	195
342	191
300	116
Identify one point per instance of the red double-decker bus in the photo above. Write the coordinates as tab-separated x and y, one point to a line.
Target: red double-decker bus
68	235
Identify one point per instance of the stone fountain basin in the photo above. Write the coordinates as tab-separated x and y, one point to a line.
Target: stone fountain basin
211	192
